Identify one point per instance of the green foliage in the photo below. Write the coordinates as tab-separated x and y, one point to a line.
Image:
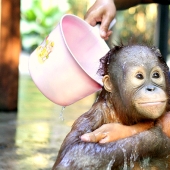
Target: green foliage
137	23
78	8
37	22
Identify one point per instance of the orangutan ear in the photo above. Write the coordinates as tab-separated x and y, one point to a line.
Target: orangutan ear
107	83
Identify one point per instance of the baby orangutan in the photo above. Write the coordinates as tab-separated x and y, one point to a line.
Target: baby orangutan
134	98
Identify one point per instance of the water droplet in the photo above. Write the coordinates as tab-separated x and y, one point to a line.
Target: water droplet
125	159
109	167
61	117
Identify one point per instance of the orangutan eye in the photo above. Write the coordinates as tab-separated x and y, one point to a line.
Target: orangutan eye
156	75
139	76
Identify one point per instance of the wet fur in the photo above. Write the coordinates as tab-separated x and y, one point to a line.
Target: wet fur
76	155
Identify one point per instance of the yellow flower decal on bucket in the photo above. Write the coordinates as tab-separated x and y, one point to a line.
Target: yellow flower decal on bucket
44	50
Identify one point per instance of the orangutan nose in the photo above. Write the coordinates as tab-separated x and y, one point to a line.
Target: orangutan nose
150	88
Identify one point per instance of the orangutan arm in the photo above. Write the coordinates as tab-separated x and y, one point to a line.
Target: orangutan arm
115	131
164	122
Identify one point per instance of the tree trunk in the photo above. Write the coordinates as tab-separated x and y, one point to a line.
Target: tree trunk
9	54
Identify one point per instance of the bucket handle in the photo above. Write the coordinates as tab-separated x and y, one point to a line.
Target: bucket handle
97	27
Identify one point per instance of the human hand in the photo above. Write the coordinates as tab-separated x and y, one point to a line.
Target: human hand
115	131
102	11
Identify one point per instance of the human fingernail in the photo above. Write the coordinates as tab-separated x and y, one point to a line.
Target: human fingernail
103	33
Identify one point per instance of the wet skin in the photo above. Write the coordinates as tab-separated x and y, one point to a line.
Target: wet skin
136	90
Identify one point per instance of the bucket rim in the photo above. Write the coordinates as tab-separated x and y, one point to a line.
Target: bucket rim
90	28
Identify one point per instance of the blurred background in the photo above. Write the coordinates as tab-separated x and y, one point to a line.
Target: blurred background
32	127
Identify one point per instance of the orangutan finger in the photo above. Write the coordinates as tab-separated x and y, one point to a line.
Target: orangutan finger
92	137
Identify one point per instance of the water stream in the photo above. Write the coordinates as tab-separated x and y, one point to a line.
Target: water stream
61	116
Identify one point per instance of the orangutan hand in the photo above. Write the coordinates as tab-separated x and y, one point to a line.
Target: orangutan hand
102	11
114	131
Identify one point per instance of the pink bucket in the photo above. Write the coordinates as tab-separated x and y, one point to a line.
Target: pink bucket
64	66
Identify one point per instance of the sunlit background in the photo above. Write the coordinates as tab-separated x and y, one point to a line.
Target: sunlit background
38	18
38	129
